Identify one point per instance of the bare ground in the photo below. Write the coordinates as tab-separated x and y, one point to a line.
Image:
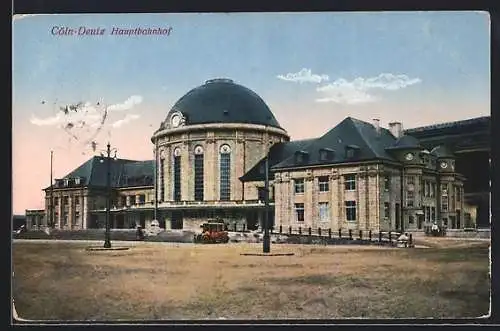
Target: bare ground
63	281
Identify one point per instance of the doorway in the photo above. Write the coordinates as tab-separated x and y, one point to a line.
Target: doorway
120	221
177	221
252	220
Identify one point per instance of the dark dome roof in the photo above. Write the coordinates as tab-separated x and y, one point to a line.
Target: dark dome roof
223	101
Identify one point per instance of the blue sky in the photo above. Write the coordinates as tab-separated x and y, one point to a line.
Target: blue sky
415	67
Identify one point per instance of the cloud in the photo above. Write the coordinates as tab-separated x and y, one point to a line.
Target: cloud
128	104
360	89
303	76
85	114
127	119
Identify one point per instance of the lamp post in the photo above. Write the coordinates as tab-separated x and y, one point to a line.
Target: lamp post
156	180
266	243
107	239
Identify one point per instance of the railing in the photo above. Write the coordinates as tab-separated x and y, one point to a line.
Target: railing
368	236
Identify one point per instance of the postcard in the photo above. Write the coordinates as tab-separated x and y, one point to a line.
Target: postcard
251	167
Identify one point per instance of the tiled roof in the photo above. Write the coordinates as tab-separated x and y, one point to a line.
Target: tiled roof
277	153
350	133
94	172
405	142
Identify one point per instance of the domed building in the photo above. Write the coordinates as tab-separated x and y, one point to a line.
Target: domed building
210	138
211	154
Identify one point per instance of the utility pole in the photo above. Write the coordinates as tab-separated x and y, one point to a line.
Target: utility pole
51	200
107	240
156	179
402	220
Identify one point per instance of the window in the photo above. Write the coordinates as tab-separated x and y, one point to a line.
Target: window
409	198
299	186
225	173
411	219
77	200
432	192
410	180
261	193
177	174
162	180
65	218
132	199
458	193
350	182
387	210
65	200
323	184
387	182
444	190
444	203
301	157
77	180
324	212
326	154
142	199
350	210
56	201
299	212
198	173
426	189
428	213
433	214
323	155
351	151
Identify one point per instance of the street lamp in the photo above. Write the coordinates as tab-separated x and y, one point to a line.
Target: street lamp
107	239
266	243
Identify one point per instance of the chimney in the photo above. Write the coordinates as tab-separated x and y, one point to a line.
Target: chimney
396	129
376	124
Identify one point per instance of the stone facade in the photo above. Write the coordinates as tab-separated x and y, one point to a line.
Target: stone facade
376	195
246	145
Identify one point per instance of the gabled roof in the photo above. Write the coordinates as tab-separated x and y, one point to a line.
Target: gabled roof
94	171
351	132
277	153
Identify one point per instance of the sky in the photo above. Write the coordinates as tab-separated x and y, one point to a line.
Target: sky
311	69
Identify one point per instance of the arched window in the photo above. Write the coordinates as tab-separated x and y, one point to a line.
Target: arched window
177	174
225	173
198	173
162	176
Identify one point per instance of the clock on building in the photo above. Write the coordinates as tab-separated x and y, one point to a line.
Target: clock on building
409	156
444	165
176	120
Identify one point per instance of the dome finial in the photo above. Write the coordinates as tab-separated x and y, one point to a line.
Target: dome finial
219	80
